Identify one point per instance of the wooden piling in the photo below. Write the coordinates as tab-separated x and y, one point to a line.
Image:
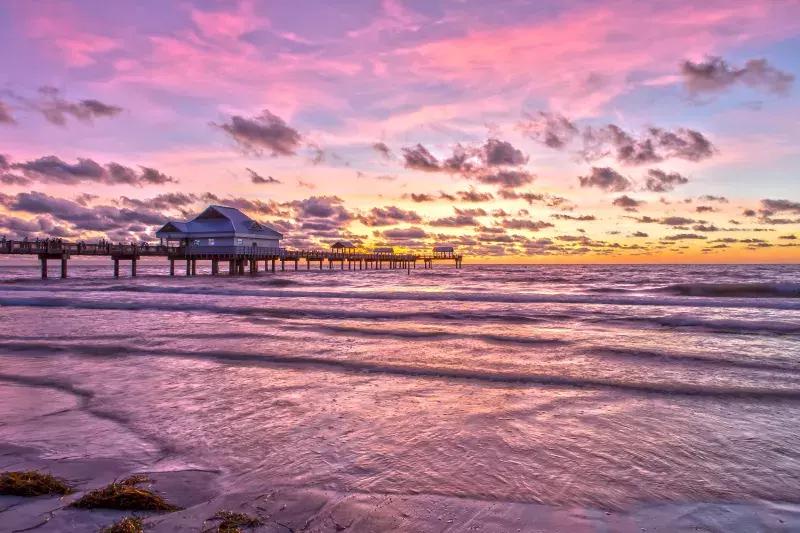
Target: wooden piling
43	261
63	268
133	267
116	268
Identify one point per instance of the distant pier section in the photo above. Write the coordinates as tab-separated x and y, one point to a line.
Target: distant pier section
225	236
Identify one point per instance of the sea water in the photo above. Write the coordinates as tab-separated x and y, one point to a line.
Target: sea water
599	386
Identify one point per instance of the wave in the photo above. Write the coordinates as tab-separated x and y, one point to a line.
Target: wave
712	325
747	364
407	334
455	315
448	296
488	377
277	312
717	290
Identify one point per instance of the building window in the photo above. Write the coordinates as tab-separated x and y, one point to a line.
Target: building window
211	242
239	242
197	242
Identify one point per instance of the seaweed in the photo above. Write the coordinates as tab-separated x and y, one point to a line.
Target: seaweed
233	522
124	496
31	483
126	525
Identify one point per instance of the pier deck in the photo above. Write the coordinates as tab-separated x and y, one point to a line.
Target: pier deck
238	258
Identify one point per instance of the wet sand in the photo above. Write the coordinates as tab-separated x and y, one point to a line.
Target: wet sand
202	494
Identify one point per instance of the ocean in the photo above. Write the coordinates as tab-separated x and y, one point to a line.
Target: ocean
601	387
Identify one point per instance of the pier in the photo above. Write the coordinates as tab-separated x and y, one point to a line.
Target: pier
238	260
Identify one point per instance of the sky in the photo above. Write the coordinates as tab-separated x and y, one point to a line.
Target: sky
541	131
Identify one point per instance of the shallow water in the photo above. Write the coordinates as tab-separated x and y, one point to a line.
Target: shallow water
573	385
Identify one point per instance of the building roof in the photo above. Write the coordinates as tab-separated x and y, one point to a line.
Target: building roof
219	219
442	248
342	244
384	250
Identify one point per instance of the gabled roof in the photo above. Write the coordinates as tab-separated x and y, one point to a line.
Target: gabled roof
174	227
342	244
220	219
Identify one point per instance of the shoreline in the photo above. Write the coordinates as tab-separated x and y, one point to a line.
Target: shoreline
202	493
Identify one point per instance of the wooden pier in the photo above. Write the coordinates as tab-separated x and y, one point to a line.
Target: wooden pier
239	259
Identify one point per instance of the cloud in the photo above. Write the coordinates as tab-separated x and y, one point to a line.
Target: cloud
676	221
507	179
260	180
501	153
607	179
628	203
379	177
407	233
716	75
388	216
660	181
57	110
99	218
712	198
654	146
684	236
321	207
51	169
420	198
490	163
5	114
264	132
770	207
580	218
419	158
475	196
456	221
162	202
640	234
705	209
549	129
529	225
383	149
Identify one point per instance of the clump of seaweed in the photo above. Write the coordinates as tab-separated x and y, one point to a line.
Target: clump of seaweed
233	522
30	484
125	496
126	525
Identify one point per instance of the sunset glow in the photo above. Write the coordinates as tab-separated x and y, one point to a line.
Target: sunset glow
541	132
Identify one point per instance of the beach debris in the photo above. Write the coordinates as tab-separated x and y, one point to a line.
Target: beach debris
234	522
130	524
124	496
31	483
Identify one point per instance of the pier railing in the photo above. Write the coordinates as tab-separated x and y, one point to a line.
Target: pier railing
238	256
55	247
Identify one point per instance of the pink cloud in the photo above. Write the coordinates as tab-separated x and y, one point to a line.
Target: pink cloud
57	24
228	25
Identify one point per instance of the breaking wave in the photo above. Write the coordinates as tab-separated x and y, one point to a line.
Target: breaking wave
717	290
633	298
432	372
